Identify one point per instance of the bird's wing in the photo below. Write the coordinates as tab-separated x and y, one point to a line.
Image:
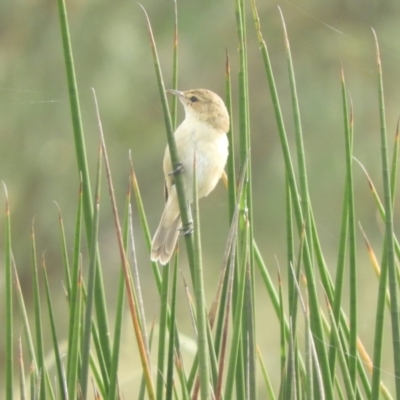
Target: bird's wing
167	167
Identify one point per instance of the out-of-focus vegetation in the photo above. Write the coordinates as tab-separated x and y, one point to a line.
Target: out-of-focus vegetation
111	52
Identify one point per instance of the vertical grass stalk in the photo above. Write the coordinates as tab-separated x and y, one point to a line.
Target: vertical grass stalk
42	372
9	359
249	340
87	329
63	390
202	343
81	158
75	306
112	395
79	139
393	285
348	124
162	334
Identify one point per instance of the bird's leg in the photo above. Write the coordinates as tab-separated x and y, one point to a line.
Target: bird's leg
187	229
178	169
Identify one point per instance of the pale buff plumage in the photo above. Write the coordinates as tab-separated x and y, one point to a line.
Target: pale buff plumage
203	132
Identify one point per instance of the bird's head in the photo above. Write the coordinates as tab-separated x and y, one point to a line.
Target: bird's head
204	105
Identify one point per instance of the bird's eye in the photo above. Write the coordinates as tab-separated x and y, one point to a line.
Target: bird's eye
193	99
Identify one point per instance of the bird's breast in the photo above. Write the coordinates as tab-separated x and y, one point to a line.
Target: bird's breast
209	148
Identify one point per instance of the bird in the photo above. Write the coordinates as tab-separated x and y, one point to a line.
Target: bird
202	134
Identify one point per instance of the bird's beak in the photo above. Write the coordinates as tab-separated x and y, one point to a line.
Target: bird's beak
175	92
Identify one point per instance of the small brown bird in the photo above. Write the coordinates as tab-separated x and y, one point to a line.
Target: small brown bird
202	132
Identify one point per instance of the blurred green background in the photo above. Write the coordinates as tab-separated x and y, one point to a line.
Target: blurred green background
112	55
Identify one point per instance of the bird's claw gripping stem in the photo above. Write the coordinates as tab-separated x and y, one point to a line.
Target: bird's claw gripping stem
186	229
178	169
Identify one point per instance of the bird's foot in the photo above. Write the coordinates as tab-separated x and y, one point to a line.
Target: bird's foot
178	169
186	229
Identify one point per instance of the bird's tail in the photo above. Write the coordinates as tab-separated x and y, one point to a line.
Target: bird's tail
165	238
